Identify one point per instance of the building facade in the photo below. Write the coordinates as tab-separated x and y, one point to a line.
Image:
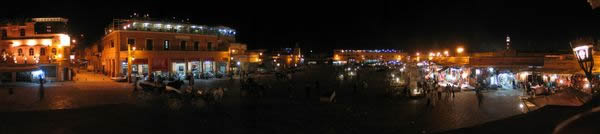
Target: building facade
142	46
42	43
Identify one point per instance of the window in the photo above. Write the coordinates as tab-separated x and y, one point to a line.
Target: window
112	44
166	45
182	45
149	44
22	32
209	46
4	33
42	51
131	42
30	51
54	51
196	46
20	52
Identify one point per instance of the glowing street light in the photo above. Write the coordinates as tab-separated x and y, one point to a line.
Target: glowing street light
583	51
446	53
460	50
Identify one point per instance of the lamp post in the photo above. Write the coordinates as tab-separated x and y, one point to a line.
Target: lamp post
129	61
583	50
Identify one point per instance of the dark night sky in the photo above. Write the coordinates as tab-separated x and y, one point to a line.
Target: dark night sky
408	25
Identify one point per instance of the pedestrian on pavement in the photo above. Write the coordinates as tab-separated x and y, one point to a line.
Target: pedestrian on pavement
452	90
447	90
41	92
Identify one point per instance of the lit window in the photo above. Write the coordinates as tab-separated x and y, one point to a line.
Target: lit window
31	52
20	52
166	45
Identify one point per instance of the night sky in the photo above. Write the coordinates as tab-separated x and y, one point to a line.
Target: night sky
479	25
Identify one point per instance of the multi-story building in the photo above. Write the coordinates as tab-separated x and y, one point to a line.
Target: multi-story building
144	46
367	56
287	58
41	43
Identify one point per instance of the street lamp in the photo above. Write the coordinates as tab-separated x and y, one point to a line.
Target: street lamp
583	50
460	50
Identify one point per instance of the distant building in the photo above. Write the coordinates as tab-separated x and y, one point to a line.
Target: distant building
168	47
343	56
39	42
286	58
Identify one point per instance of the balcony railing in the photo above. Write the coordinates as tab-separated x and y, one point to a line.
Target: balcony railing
154	26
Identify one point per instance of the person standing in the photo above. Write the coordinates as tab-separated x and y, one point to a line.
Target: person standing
41	92
452	90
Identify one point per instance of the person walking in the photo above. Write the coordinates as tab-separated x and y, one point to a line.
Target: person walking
452	90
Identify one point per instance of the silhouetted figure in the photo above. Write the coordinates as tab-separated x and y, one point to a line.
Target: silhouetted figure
41	92
452	90
479	96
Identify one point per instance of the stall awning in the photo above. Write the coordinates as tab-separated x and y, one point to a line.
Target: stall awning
18	67
556	71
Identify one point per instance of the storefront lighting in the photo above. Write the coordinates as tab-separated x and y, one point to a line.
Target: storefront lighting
72	57
46	42
260	54
491	69
586	85
278	64
238	63
446	53
37	73
16	43
477	71
146	24
65	40
521	105
31	42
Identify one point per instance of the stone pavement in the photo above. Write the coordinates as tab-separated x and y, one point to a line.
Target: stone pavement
63	95
369	111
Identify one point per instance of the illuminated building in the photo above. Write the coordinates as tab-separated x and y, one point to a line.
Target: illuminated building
168	47
39	43
367	56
